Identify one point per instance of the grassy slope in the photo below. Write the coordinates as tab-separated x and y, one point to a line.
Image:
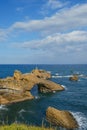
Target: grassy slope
22	127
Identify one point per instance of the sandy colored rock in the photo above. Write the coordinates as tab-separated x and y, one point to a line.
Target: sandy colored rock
3	100
17	75
41	73
74	78
61	118
18	87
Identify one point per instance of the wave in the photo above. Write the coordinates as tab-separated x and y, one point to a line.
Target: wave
21	111
81	119
61	76
3	107
56	74
68	76
37	97
64	87
54	91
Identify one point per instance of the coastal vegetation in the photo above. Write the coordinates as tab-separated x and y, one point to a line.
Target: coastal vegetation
23	127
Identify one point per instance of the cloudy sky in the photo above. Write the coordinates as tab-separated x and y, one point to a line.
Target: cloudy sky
43	31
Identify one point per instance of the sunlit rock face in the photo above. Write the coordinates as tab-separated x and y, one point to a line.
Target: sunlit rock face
74	78
61	118
18	88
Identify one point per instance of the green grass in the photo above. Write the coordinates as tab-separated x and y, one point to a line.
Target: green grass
22	127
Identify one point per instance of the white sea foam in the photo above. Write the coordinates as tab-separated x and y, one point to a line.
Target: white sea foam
81	119
49	72
21	111
61	76
54	91
3	107
64	87
56	74
37	97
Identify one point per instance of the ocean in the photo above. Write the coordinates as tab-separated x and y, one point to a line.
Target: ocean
73	99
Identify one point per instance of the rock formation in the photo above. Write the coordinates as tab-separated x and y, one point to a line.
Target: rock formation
74	78
61	118
18	88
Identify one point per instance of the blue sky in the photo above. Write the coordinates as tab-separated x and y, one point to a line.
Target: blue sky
43	31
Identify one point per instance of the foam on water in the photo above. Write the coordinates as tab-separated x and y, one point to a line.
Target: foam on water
21	111
3	107
81	119
37	97
64	87
54	91
61	76
56	74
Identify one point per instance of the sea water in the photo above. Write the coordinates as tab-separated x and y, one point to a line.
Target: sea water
73	99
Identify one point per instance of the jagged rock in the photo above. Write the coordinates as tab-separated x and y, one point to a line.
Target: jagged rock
61	118
17	75
74	78
41	74
18	87
49	86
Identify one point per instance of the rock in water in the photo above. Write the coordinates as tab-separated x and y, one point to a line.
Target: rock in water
74	78
18	88
61	118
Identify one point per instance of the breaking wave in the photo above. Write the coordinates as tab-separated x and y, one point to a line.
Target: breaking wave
21	111
37	97
64	87
81	119
3	107
60	76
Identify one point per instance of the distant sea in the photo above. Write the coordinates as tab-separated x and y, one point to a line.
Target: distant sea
73	99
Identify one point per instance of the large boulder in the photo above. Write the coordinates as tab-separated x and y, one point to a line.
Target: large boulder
61	118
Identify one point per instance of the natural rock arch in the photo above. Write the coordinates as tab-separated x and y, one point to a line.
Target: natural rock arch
18	87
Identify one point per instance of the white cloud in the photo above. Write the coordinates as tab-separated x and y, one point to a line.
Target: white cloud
3	35
67	19
73	41
58	48
74	18
52	5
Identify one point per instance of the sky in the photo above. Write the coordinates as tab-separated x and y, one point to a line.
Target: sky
43	31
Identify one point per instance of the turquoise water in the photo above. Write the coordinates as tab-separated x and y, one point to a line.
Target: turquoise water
73	99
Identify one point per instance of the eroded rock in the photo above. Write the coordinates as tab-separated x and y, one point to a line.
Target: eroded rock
74	78
61	118
18	87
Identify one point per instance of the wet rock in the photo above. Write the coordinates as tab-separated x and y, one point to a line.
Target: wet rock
74	78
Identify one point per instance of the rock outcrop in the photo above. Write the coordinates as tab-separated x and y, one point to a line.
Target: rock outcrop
74	78
61	118
18	88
